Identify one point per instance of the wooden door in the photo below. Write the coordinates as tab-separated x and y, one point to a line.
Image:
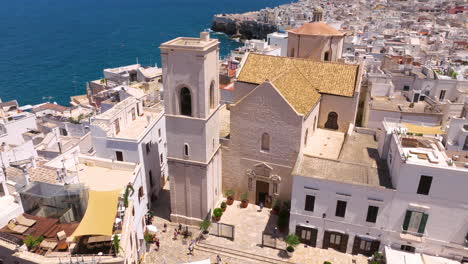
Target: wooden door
307	235
335	240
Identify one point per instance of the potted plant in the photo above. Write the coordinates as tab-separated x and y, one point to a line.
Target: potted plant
223	206
276	207
31	242
204	226
230	197
292	241
217	213
244	200
148	238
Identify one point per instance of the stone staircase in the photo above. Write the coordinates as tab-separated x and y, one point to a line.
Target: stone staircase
236	254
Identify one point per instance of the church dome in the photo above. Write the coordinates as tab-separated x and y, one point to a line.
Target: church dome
317	28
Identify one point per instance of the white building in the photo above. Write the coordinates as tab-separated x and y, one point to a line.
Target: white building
133	133
279	40
403	191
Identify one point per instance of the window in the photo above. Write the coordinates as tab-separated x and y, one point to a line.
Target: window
309	203
186	149
326	56
275	188
372	212
305	137
442	95
465	146
159	133
140	194
161	158
390	157
340	208
150	175
365	245
415	222
408	248
119	155
265	142
424	185
335	239
185	102
117	126
148	148
133	114
406	88
63	132
212	95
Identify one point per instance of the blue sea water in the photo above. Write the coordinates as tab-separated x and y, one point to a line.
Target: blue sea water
52	47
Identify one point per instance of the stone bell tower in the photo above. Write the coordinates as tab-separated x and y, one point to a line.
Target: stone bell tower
191	99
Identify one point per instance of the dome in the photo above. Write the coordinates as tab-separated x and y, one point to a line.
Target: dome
317	28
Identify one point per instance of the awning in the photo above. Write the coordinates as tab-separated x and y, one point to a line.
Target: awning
400	257
100	214
426	130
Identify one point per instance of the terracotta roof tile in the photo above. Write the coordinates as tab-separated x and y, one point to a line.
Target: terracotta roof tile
294	77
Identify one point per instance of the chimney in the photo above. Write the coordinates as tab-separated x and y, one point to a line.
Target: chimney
205	36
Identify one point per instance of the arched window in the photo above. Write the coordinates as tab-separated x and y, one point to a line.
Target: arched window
326	56
186	149
212	95
332	121
305	138
185	102
265	142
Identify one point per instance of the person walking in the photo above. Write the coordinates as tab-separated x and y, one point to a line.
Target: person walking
157	244
180	228
175	234
190	248
165	228
218	259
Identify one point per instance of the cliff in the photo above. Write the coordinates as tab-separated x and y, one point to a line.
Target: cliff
247	29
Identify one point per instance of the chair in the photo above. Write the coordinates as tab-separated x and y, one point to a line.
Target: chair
25	221
19	229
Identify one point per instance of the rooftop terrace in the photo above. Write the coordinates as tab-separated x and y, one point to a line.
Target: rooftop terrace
358	162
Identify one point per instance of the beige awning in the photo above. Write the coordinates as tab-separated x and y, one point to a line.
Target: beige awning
100	214
426	130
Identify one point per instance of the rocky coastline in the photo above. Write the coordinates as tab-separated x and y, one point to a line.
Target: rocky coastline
241	28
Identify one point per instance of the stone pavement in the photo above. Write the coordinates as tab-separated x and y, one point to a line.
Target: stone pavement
249	224
245	249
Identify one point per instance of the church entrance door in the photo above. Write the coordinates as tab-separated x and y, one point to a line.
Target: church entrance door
262	192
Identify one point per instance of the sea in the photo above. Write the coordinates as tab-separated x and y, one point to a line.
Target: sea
49	49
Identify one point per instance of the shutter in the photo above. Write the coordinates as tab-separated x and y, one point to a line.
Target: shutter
422	225
326	240
375	246
357	242
313	237
298	232
344	243
407	219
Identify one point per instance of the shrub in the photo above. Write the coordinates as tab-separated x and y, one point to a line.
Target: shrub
218	212
223	205
283	219
244	197
292	240
116	244
230	193
31	242
204	225
277	205
147	237
327	262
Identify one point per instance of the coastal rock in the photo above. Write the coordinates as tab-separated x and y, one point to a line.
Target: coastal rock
246	29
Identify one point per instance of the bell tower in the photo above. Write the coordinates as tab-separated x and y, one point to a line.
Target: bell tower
191	99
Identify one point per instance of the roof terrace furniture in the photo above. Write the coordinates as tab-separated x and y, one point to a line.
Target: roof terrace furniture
25	221
19	229
48	245
61	235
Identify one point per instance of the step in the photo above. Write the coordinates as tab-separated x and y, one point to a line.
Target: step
247	255
225	254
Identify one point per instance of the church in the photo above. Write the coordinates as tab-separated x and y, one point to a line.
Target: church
282	107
